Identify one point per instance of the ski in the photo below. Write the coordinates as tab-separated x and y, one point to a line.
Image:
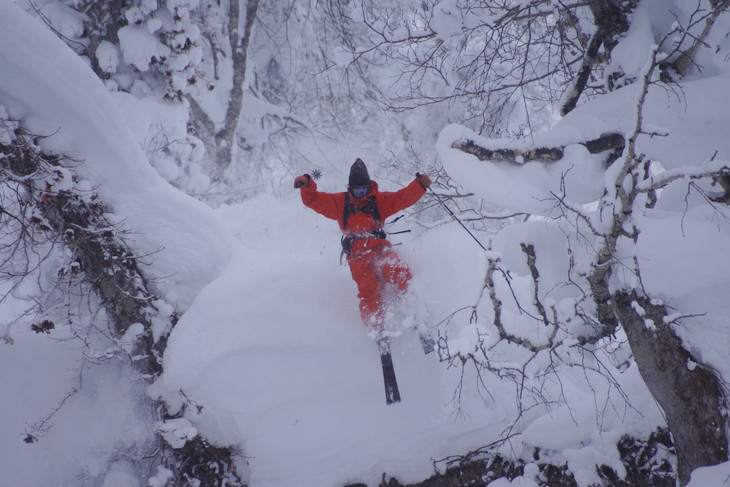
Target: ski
392	394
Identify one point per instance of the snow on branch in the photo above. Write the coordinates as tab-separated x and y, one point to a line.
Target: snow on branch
711	169
519	156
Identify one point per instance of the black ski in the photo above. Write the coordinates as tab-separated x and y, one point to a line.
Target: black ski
392	394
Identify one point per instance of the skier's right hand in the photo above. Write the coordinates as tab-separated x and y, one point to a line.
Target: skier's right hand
302	181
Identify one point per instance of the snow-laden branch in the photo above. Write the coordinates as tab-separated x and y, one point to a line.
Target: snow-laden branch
546	154
710	169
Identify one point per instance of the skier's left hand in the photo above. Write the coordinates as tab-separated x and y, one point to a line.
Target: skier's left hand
302	181
424	180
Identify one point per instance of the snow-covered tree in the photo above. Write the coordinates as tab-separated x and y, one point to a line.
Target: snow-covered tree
69	271
617	223
142	47
228	29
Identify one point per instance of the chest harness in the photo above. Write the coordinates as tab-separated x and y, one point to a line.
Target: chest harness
369	208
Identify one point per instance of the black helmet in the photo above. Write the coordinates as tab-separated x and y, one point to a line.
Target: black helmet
358	174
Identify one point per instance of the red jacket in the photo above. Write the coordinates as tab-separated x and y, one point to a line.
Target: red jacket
332	205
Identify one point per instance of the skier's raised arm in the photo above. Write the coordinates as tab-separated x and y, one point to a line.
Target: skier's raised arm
330	205
390	203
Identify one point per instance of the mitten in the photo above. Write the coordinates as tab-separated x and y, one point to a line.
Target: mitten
302	181
424	180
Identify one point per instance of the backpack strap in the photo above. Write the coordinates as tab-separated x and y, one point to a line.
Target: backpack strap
371	208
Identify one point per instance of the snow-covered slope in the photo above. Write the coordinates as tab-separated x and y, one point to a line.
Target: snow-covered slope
276	353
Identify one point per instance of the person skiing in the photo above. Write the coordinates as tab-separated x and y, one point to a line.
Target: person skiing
361	212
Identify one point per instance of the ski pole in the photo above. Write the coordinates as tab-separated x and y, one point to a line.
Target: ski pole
433	193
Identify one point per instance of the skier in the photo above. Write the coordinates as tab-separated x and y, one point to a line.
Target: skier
360	212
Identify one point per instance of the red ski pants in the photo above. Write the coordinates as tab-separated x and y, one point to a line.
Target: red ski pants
373	271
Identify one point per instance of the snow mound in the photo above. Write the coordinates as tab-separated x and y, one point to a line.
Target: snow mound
275	351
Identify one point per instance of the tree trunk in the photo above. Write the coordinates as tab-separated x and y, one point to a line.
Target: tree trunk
584	74
690	395
687	58
220	142
611	18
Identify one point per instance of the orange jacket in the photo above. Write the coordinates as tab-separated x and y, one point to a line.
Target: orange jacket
332	205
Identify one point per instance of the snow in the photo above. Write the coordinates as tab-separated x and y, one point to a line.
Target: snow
520	481
681	247
177	431
446	20
290	372
107	55
49	86
161	478
682	221
343	57
685	119
160	129
270	356
527	187
630	55
716	476
140	48
46	83
67	21
153	25
121	474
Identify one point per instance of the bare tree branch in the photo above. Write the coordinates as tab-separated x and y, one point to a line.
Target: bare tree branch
687	59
